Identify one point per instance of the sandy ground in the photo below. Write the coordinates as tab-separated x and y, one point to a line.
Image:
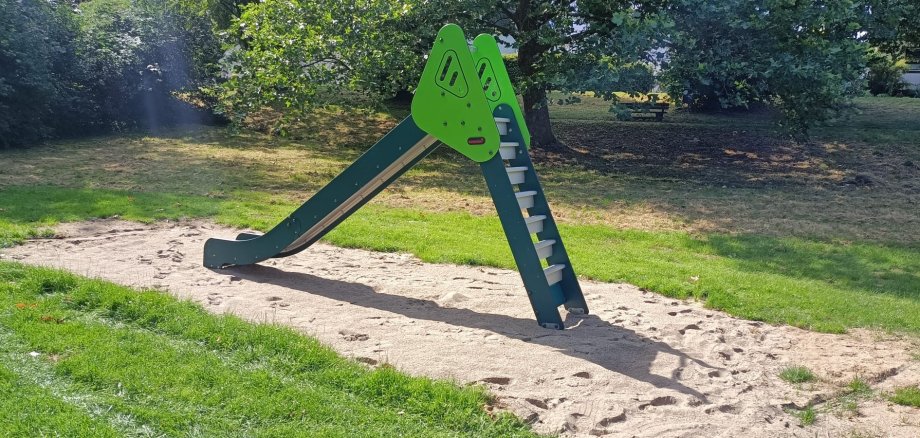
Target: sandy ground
641	365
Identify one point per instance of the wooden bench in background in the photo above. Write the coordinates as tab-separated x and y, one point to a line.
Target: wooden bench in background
638	103
658	108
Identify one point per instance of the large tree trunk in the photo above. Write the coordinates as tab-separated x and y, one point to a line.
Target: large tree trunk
530	53
536	113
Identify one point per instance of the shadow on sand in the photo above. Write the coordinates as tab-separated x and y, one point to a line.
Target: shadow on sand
588	337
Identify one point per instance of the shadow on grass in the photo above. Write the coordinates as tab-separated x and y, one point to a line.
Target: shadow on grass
868	268
613	347
55	204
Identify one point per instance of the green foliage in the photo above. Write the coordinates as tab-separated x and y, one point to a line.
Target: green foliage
35	53
108	64
295	55
858	386
797	374
886	74
807	416
892	25
803	57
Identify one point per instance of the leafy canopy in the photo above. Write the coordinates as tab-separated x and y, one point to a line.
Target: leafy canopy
804	57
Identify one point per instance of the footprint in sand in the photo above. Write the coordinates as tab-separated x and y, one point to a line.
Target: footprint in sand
366	361
214	299
725	409
497	380
351	336
582	374
538	403
659	401
689	327
618	417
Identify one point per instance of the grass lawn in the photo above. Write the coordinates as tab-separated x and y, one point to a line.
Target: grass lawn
823	235
88	358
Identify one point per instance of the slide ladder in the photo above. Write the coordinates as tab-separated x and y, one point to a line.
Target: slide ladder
464	100
535	241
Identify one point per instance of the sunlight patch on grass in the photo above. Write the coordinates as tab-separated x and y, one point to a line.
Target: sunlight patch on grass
172	366
821	286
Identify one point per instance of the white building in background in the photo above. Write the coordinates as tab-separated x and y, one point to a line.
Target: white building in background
912	77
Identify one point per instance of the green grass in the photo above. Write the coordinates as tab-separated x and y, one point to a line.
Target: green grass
797	374
858	387
818	285
907	396
799	247
27	409
807	416
112	361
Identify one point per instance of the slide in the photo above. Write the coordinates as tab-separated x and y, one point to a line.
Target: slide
392	156
464	100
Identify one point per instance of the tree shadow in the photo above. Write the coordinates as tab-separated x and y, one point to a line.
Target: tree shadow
877	269
588	337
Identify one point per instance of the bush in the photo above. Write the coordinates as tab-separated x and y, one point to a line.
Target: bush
801	57
886	74
109	65
35	52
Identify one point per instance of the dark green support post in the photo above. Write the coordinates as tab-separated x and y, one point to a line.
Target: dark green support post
545	303
574	300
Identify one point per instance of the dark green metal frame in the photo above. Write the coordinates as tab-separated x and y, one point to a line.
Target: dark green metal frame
544	298
249	249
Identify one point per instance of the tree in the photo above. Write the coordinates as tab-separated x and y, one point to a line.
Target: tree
571	46
296	54
805	57
293	55
83	67
893	26
885	74
36	79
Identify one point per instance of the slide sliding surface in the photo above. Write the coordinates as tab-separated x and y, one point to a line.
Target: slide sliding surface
392	156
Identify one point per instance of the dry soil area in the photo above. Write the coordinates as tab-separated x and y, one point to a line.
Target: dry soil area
640	365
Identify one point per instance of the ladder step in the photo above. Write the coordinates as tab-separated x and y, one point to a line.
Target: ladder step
553	274
525	199
502	124
508	149
544	248
535	223
516	174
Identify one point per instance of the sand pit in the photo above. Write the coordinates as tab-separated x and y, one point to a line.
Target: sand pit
640	365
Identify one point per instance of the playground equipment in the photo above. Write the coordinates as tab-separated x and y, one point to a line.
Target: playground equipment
464	100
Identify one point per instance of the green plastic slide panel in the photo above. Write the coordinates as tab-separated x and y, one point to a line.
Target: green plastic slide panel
449	102
496	84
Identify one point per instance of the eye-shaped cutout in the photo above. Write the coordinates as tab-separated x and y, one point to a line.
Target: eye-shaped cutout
450	75
487	80
448	60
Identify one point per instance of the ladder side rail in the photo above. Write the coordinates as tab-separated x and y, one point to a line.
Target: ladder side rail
571	289
512	220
